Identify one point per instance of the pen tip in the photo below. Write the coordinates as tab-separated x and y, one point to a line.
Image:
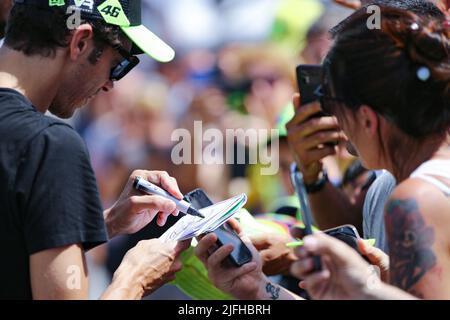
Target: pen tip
195	212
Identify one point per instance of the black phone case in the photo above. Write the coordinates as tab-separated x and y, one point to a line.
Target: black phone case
309	78
225	234
347	234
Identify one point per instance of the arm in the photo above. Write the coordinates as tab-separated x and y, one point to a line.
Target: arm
145	268
330	206
246	282
59	273
344	274
417	229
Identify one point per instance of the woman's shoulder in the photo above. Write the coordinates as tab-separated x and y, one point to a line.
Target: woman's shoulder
415	196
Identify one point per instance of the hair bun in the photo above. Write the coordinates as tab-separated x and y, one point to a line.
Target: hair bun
430	40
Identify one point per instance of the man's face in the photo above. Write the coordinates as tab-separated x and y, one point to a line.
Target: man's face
84	79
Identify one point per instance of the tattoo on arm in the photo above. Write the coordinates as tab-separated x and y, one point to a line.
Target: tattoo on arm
410	243
273	291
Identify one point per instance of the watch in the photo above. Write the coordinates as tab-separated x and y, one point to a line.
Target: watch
318	185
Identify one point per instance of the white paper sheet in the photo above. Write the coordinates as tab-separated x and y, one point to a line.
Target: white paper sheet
215	215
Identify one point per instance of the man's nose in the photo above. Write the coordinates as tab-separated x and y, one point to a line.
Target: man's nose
108	86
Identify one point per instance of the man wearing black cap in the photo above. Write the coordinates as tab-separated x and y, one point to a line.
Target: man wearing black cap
57	55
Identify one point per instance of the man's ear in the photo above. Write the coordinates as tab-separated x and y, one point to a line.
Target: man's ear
80	41
369	120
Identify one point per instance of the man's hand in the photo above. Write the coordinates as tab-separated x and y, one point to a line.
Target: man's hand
276	257
344	274
133	210
376	257
307	138
145	268
244	282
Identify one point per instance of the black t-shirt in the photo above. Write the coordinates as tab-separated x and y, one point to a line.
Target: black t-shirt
48	193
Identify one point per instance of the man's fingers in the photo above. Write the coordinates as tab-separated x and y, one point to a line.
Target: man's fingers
203	246
235	225
152	202
163	179
302	267
375	255
322	244
170	185
162	219
219	255
260	242
246	268
315	280
182	245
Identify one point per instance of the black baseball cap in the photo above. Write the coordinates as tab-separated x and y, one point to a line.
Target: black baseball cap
125	14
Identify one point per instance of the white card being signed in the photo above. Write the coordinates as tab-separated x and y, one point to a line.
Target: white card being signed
215	215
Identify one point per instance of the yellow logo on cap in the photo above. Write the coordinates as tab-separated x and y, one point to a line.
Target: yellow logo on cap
112	12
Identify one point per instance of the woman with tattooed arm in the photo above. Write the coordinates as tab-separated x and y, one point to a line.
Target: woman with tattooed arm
390	90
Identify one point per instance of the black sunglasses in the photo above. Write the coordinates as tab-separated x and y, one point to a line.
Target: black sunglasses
126	65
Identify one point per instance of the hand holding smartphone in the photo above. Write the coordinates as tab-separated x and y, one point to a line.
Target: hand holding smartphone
241	254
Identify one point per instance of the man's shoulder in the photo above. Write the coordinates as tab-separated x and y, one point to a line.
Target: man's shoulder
21	122
61	137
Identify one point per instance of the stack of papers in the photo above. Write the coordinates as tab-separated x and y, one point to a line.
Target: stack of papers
215	215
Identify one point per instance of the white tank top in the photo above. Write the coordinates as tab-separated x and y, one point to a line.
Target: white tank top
434	168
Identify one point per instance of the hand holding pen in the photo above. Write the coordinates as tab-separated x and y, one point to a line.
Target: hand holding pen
150	188
134	209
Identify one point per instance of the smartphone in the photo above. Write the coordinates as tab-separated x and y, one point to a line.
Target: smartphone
309	79
241	254
348	234
305	210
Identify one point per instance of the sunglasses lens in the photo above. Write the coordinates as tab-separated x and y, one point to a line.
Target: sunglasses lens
121	70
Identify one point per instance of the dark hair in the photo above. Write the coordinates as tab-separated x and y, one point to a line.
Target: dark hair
402	70
41	31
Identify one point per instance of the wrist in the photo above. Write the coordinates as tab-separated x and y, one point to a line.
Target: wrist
125	285
110	223
318	184
268	290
